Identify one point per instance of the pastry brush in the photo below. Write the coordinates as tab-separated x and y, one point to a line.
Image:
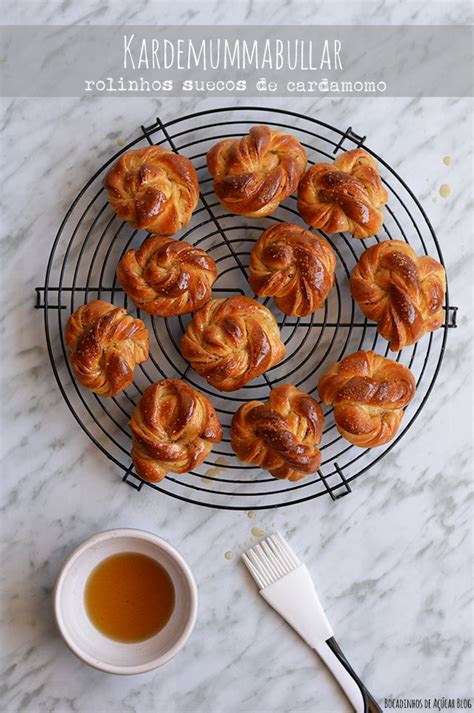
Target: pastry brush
285	583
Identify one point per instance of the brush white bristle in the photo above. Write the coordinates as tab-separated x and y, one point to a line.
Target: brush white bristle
270	560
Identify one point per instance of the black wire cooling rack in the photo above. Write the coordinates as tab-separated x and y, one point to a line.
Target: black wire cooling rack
81	267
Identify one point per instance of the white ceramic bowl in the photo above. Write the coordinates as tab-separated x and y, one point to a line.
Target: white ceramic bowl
86	641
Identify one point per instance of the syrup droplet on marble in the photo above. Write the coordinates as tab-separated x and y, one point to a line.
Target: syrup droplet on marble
215	470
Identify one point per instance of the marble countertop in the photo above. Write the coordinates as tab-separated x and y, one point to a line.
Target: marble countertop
391	560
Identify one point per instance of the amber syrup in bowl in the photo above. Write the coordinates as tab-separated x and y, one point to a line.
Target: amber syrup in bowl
129	597
125	601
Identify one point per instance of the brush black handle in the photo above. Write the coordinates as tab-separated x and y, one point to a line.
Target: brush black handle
368	704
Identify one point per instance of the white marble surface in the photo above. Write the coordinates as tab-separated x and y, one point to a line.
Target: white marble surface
391	560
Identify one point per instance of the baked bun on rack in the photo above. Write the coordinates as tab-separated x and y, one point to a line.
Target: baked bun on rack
403	293
254	174
105	344
346	195
167	277
173	429
294	266
232	341
281	436
153	189
368	393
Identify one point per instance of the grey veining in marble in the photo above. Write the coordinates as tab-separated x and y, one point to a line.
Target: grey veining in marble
391	561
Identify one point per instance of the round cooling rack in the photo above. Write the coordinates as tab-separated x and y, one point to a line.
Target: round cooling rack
81	267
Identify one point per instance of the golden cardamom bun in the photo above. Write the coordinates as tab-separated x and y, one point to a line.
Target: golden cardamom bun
346	195
281	436
153	189
173	429
105	344
368	393
254	174
167	277
294	266
232	341
403	293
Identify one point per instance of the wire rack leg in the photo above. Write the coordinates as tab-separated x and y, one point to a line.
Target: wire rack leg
335	490
349	134
132	479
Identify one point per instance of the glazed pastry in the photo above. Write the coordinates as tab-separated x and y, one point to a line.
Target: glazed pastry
173	429
153	189
230	342
105	344
368	393
281	436
167	277
254	174
346	195
293	266
403	293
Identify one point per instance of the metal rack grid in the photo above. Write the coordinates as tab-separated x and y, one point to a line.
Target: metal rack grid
81	267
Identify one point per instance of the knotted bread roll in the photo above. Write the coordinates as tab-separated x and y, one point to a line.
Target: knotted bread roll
281	436
403	293
293	266
252	175
173	429
154	189
230	342
167	277
105	344
368	393
346	195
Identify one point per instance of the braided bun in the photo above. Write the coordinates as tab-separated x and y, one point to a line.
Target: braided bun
346	195
167	277
153	189
369	393
230	342
293	266
173	429
282	435
403	293
105	344
254	174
